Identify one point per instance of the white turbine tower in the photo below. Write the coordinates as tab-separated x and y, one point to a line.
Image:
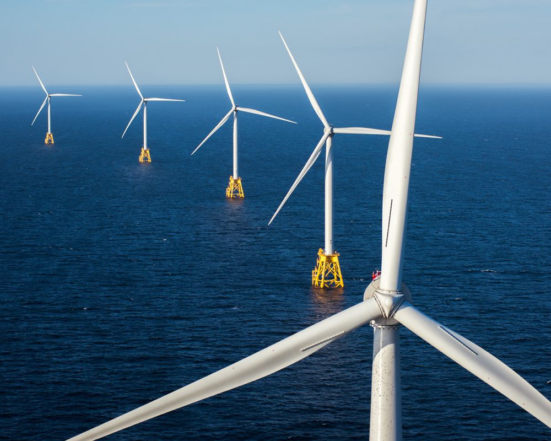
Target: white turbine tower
49	136
145	155
235	186
386	305
327	273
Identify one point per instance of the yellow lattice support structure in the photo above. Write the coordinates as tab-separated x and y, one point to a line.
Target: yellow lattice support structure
49	138
235	188
145	156
327	273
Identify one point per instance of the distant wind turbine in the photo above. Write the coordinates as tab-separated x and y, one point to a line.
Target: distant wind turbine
145	155
235	186
327	273
386	306
49	136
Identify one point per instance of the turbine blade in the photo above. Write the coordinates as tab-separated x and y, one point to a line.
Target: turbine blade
63	94
311	96
40	110
427	136
305	169
40	81
132	119
225	78
133	80
161	99
366	131
477	361
399	156
361	131
220	124
257	366
258	112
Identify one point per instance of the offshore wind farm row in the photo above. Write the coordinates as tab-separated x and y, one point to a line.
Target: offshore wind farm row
387	303
327	272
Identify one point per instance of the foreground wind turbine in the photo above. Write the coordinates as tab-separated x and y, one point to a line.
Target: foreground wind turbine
386	305
49	136
235	186
145	155
327	273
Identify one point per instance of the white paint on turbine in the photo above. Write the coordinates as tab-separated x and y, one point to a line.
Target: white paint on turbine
400	150
386	397
329	196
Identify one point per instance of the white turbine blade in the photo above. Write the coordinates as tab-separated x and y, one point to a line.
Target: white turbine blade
427	136
477	361
220	124
40	110
40	81
132	119
63	94
161	99
399	156
311	96
255	367
366	131
134	81
305	169
225	78
258	112
361	131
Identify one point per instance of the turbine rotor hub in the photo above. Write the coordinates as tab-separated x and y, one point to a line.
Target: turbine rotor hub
389	301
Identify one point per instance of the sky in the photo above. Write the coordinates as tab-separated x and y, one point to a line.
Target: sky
85	42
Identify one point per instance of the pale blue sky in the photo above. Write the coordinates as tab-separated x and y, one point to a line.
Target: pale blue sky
335	42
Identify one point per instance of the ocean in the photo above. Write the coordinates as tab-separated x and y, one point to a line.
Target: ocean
122	281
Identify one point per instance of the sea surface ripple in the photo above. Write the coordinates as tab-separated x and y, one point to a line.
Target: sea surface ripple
122	281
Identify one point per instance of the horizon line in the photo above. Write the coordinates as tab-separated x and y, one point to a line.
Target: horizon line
430	84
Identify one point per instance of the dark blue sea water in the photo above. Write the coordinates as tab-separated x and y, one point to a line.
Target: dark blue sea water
122	281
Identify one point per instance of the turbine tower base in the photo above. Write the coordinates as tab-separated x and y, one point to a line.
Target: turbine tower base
49	138
327	273
235	188
145	156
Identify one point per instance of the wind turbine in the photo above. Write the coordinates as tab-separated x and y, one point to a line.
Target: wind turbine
386	305
327	273
49	136
235	185
145	155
